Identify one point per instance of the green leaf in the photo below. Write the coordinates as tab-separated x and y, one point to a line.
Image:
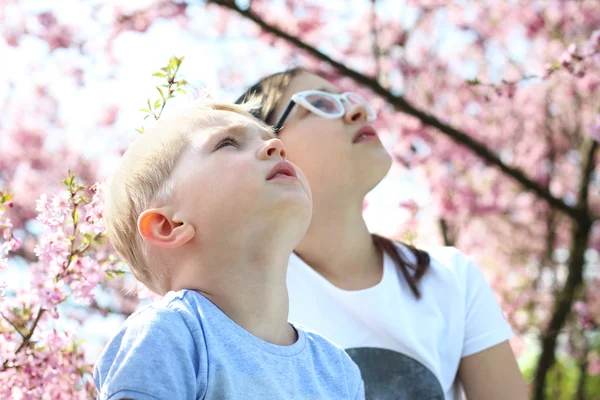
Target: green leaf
159	74
6	197
182	90
75	217
141	130
157	104
149	106
173	63
165	69
161	93
144	110
146	116
183	82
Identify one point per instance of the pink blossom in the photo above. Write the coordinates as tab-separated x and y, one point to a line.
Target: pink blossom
54	246
47	19
52	212
592	46
594	366
108	116
93	212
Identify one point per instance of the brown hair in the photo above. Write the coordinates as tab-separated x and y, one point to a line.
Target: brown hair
267	93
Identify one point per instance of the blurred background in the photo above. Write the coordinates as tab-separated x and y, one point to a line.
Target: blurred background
491	110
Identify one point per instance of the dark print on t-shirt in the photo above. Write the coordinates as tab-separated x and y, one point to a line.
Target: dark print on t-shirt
389	375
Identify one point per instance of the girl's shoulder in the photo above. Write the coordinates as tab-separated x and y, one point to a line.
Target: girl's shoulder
448	265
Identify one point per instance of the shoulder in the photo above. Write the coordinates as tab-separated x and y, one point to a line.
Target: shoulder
169	321
328	356
173	311
446	262
155	353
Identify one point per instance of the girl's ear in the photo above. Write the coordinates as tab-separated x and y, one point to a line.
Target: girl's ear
158	228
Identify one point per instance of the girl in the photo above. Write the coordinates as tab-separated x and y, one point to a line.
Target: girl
419	325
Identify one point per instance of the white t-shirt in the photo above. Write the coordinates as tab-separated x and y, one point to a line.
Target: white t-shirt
406	348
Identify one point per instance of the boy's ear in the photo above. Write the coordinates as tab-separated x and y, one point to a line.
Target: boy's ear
158	228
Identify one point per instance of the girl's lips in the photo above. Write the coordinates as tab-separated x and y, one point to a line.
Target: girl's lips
365	133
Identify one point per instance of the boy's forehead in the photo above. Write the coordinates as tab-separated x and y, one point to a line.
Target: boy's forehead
226	122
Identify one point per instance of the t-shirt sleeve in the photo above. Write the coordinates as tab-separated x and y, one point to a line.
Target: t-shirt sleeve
154	356
360	393
354	378
485	324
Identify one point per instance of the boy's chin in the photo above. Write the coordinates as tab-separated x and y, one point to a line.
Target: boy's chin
296	213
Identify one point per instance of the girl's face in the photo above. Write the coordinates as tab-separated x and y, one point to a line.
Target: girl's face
326	150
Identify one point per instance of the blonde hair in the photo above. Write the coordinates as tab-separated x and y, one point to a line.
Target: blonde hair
142	180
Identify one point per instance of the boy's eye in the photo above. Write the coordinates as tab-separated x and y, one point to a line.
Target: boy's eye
228	141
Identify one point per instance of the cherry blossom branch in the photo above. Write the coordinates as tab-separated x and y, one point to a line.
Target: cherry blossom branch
169	73
27	338
589	164
401	104
583	366
12	324
445	229
376	50
564	299
105	310
572	66
25	254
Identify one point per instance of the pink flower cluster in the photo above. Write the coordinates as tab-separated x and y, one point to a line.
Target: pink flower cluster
38	362
51	371
8	243
574	59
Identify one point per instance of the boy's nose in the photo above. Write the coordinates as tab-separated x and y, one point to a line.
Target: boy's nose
273	148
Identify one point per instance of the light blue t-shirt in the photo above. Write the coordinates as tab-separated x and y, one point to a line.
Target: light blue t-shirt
184	347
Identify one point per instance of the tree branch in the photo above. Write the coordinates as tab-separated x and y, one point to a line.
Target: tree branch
13	325
376	51
583	366
403	105
105	310
26	255
27	338
446	235
564	299
590	149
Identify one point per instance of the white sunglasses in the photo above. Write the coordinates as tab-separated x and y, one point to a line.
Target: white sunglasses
324	104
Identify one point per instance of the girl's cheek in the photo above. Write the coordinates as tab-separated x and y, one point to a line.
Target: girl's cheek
301	112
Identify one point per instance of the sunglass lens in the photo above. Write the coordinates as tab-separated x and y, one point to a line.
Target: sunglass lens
324	103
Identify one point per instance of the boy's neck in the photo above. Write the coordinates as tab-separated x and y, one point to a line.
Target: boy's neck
248	285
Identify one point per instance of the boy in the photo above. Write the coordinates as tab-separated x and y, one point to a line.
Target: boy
206	211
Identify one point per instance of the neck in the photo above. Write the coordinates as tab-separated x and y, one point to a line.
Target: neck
339	246
247	281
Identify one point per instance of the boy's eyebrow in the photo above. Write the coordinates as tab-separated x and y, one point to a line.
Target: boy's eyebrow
240	129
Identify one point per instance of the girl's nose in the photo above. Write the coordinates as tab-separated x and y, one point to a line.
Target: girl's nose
355	113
